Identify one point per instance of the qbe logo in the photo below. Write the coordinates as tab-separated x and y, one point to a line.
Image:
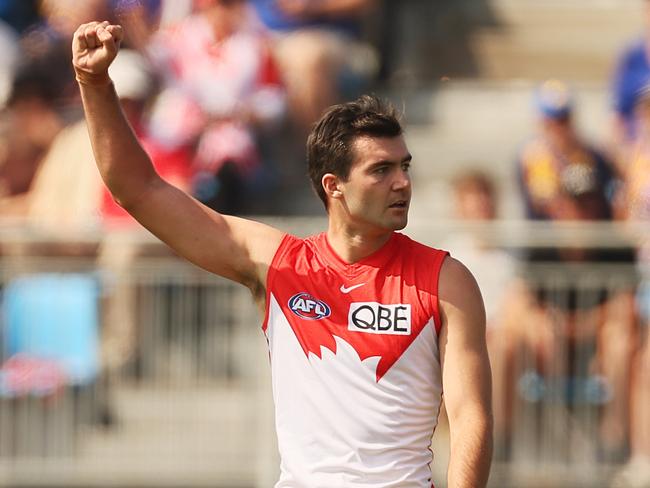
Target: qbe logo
377	318
307	307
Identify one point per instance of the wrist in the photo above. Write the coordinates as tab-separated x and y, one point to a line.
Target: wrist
92	79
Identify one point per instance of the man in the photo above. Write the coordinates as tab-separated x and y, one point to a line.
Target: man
562	178
560	175
365	327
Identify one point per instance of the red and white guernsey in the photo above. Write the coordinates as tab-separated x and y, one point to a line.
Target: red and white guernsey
355	363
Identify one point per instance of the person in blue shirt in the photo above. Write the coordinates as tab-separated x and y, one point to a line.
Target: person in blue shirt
564	178
631	75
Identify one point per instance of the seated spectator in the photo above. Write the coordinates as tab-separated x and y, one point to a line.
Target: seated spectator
563	178
53	203
318	47
636	166
496	271
557	161
631	74
219	85
30	124
637	199
475	202
47	42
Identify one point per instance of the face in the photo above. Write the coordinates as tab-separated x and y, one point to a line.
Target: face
225	16
559	132
377	192
474	203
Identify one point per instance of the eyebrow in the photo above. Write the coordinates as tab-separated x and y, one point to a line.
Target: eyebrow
407	159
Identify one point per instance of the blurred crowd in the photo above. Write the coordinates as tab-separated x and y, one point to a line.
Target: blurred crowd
210	87
557	328
222	92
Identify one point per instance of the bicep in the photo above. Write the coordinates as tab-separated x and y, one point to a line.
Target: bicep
466	372
235	248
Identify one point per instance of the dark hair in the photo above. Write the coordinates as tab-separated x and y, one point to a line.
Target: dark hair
329	146
34	81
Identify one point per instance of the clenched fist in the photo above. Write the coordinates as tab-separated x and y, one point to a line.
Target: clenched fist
94	47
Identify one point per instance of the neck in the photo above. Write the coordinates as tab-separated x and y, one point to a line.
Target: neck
352	244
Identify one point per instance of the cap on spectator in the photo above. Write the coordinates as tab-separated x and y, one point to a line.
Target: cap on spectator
554	99
130	75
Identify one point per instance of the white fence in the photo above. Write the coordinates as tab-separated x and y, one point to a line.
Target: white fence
167	381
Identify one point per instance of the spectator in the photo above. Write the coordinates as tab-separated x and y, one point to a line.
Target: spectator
220	85
475	203
318	48
637	198
563	178
30	124
637	161
46	43
557	164
41	79
51	203
632	73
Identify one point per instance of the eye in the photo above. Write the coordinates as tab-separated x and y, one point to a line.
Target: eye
380	170
406	166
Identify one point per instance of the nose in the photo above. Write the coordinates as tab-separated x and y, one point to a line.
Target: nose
402	180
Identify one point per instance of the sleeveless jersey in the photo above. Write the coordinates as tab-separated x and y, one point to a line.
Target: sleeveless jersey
355	363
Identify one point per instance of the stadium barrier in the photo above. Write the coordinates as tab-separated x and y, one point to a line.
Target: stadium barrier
125	366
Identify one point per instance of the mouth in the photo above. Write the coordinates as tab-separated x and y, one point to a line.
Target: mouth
399	204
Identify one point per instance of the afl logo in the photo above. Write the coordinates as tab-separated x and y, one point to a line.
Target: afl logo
307	307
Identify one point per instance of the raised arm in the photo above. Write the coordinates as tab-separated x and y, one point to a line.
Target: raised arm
466	377
235	248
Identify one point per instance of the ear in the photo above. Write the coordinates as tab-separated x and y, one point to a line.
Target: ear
331	185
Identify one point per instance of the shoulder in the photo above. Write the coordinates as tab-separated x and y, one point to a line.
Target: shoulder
458	288
455	272
293	249
634	50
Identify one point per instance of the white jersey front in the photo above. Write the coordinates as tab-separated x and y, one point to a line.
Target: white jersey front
355	363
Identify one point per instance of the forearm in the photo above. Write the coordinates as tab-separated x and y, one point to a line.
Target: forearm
470	451
125	167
